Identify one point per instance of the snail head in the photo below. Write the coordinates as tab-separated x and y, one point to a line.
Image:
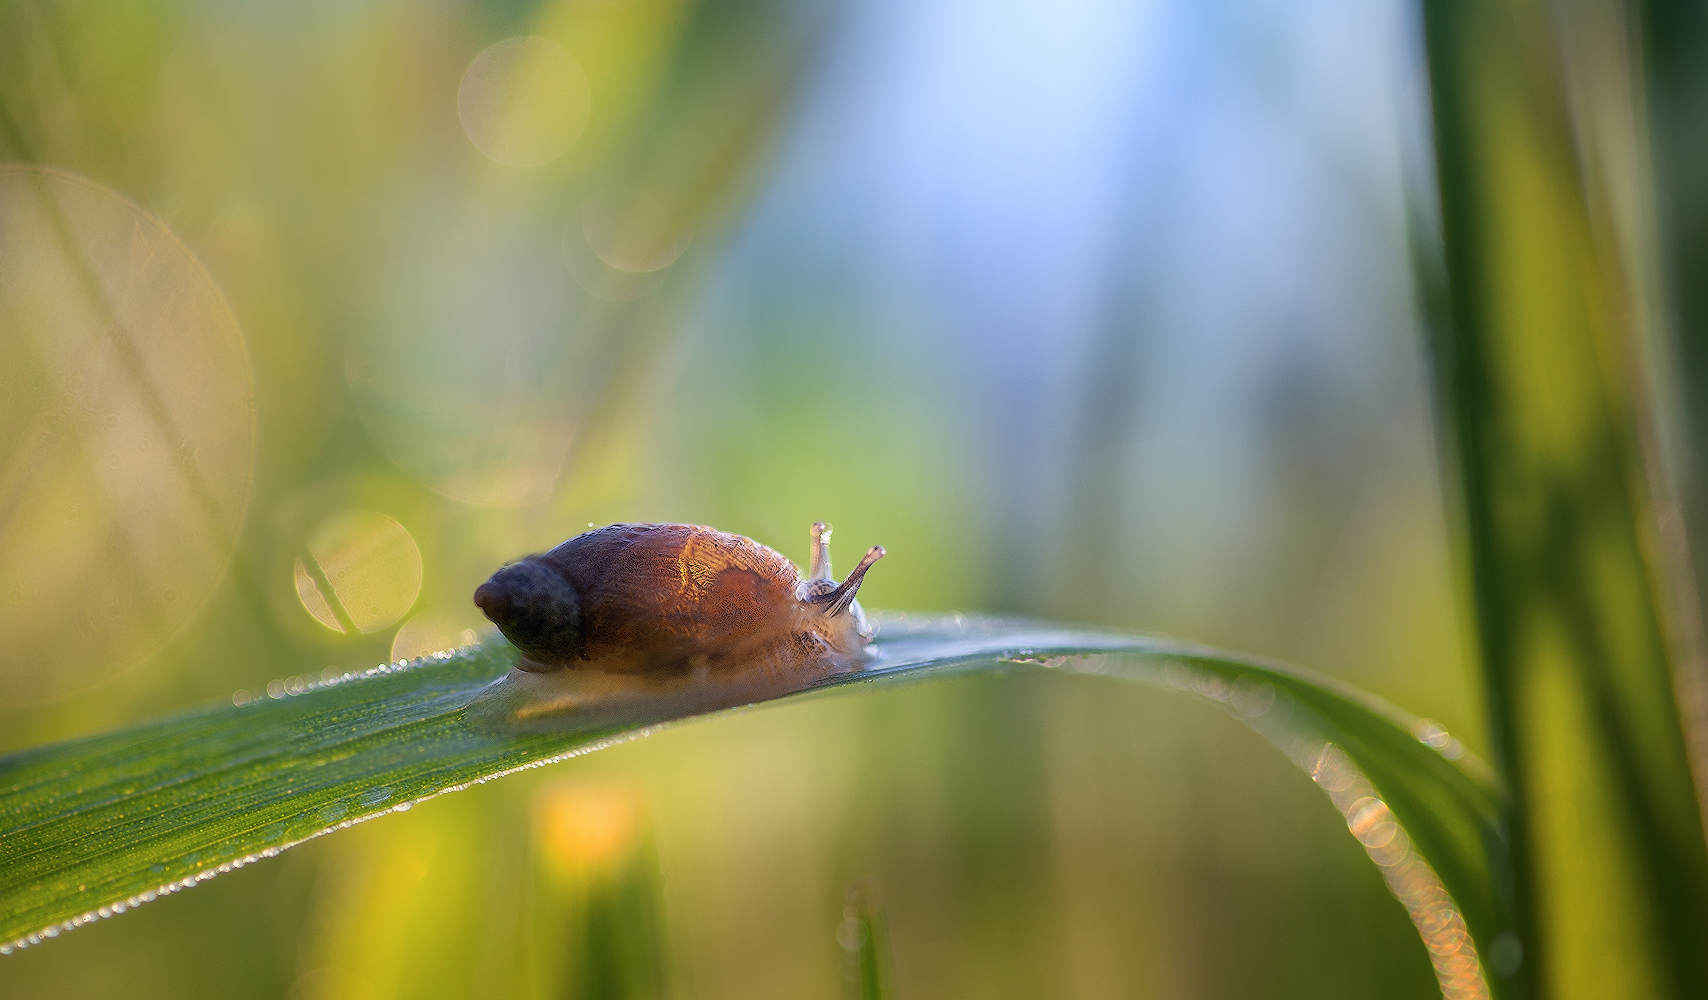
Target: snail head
821	585
537	610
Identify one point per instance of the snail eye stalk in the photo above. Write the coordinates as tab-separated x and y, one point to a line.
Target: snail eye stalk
839	599
819	568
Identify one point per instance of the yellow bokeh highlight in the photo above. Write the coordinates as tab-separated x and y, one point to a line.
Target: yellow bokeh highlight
127	433
369	568
308	591
524	101
431	632
580	826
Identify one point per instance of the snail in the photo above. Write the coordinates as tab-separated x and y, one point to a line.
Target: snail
661	607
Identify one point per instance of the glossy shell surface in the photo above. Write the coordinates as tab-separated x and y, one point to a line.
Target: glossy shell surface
655	594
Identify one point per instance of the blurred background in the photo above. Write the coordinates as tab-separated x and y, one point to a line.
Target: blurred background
312	314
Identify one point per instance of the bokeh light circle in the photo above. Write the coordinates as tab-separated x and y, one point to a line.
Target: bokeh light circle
432	632
362	571
524	101
127	433
581	825
631	231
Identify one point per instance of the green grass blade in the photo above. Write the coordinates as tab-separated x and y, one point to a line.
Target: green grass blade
1534	365
1674	57
863	935
97	826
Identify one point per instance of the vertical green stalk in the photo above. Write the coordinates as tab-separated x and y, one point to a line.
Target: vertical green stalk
863	935
596	914
1535	392
1674	56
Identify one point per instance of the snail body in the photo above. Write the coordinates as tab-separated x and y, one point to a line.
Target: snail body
670	602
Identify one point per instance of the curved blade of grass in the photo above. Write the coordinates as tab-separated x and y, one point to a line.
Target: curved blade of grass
96	826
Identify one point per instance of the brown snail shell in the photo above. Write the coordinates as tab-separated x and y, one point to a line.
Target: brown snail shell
655	600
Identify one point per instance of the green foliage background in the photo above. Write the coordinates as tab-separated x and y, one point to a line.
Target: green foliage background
1026	835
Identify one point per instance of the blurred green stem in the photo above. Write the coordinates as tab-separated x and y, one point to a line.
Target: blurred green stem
1674	56
863	934
1535	392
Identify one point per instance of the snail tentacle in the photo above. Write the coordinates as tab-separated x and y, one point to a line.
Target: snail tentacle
819	568
840	598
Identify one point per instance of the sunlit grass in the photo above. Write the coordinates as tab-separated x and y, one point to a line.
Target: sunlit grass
98	827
